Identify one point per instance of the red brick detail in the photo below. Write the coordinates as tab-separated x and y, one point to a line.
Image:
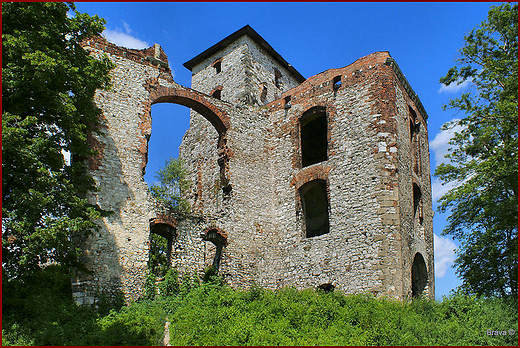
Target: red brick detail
222	235
165	220
144	56
309	174
320	83
197	101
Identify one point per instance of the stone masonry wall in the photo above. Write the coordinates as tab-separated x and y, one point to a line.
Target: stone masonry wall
244	165
246	69
353	256
118	252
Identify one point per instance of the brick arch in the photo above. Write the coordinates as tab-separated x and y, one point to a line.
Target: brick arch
308	174
197	101
215	235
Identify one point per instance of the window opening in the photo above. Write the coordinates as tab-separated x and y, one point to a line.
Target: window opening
287	102
337	82
327	287
419	275
315	206
417	202
161	242
218	238
218	66
415	128
277	78
217	94
313	137
263	94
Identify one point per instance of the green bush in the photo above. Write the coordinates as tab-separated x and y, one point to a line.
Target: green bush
212	313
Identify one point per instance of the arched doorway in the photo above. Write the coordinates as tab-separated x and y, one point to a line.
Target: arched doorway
419	275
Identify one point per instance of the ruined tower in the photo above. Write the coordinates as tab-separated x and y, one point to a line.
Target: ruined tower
318	182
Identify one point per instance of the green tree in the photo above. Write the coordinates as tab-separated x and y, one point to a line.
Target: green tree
484	157
172	186
170	192
48	84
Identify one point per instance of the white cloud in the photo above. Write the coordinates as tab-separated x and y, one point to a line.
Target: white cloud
439	189
444	254
124	39
439	145
455	87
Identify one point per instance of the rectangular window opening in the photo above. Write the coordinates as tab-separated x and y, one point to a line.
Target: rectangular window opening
337	82
315	204
314	138
218	66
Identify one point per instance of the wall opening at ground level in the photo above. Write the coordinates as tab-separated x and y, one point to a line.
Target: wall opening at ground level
419	275
160	255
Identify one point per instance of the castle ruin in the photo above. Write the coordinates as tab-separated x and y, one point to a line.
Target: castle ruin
318	182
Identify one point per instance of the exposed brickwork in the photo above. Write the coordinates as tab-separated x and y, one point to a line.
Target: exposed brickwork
244	160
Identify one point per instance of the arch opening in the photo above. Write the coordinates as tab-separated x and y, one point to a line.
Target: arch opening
419	275
219	238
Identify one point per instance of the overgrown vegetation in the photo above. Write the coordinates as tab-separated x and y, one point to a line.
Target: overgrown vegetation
48	85
211	313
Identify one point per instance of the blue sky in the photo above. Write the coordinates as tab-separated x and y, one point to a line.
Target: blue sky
422	37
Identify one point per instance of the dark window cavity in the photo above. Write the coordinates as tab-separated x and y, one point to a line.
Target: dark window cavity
313	136
218	66
263	94
419	275
216	94
277	78
315	204
417	211
287	102
327	287
337	82
415	128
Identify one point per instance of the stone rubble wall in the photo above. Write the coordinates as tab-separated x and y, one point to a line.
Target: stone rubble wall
244	164
118	252
245	70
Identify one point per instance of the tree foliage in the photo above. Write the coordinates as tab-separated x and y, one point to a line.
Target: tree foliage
48	84
172	186
484	157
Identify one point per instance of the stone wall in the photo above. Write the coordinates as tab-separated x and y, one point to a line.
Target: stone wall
246	70
244	164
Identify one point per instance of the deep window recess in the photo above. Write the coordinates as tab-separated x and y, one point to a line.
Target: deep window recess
263	94
277	78
216	94
415	128
314	137
315	206
287	102
218	66
417	202
419	275
220	241
337	82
